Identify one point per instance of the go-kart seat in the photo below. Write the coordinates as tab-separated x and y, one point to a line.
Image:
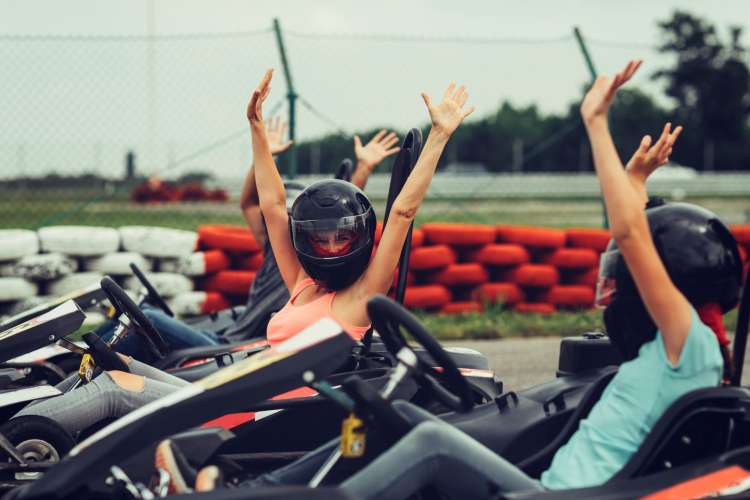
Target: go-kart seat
540	461
701	424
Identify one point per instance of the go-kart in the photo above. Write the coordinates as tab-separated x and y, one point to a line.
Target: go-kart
705	434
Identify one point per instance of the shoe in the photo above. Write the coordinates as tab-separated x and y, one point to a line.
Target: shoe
208	479
169	458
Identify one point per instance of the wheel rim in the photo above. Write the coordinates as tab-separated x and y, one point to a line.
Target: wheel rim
36	450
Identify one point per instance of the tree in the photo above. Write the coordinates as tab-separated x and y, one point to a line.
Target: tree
710	84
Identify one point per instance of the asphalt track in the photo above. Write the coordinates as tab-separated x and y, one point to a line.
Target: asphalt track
522	363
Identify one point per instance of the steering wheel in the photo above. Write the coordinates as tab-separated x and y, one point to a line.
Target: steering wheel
153	296
387	318
123	304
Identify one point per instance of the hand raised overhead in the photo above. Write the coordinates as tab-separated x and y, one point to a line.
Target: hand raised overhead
599	97
275	131
375	151
260	94
647	158
447	115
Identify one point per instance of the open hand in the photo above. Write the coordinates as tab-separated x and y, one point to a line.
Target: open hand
449	113
648	157
602	92
260	94
379	147
275	130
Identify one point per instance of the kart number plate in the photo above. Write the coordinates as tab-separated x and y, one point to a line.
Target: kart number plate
86	368
352	437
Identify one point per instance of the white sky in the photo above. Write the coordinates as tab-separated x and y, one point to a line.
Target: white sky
78	105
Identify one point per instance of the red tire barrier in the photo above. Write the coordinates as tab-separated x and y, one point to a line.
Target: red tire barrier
232	282
743	253
572	258
589	277
250	262
431	257
461	308
215	260
426	297
232	238
588	237
417	235
460	275
741	233
507	293
458	234
570	295
499	254
410	279
533	275
528	236
214	302
535	307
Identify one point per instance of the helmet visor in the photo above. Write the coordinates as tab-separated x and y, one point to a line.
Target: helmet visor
330	238
606	286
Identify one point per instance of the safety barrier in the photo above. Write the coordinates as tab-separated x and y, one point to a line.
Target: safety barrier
454	268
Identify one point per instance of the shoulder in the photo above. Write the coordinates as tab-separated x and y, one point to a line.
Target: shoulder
700	352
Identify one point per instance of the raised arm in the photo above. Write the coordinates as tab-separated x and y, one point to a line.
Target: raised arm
249	202
369	156
446	116
647	158
668	308
270	187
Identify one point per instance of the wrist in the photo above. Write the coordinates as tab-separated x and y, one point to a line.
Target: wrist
596	121
365	165
440	134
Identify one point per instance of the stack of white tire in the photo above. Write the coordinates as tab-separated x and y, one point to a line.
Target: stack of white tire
38	266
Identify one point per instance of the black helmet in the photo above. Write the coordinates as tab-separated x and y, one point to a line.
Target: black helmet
701	257
332	224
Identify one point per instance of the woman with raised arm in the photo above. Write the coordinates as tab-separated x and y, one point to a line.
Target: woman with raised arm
663	264
323	246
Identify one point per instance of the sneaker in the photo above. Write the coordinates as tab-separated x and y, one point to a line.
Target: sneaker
208	479
169	458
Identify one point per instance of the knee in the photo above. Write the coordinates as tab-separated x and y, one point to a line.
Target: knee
428	435
127	381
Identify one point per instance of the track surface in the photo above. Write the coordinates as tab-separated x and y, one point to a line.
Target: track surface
522	363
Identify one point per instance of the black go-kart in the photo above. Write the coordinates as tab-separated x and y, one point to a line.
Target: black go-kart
702	439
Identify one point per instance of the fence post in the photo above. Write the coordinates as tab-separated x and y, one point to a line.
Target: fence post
291	95
592	71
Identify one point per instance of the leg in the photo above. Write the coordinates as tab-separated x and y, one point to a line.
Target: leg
110	395
152	373
176	333
298	472
435	453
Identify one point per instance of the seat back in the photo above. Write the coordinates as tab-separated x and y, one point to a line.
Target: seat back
700	424
540	461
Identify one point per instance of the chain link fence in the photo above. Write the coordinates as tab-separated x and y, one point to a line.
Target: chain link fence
88	120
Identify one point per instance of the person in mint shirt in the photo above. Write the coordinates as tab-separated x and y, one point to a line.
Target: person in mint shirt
657	312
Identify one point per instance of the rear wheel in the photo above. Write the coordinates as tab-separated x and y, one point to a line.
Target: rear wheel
37	439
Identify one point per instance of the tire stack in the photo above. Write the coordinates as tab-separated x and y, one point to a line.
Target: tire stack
229	257
742	233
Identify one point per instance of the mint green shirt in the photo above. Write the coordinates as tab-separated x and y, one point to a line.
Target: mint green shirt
637	396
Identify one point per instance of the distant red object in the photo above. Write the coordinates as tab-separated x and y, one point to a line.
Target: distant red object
157	191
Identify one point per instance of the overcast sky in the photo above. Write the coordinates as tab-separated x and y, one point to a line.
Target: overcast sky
76	104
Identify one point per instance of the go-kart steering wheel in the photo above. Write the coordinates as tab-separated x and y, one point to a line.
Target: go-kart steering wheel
153	296
387	317
123	304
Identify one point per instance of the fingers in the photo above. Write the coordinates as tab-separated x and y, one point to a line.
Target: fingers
463	98
645	144
389	140
357	142
467	113
674	135
392	151
378	136
449	90
426	99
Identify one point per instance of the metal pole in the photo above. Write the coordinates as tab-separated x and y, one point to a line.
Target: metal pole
291	95
151	87
592	72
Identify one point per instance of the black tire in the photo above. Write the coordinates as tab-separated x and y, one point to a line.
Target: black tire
31	433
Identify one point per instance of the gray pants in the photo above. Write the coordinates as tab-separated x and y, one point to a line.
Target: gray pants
102	398
433	453
436	453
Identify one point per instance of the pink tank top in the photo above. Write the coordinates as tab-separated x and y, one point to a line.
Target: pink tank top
292	318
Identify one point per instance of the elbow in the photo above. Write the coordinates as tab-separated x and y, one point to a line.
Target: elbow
632	228
405	211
